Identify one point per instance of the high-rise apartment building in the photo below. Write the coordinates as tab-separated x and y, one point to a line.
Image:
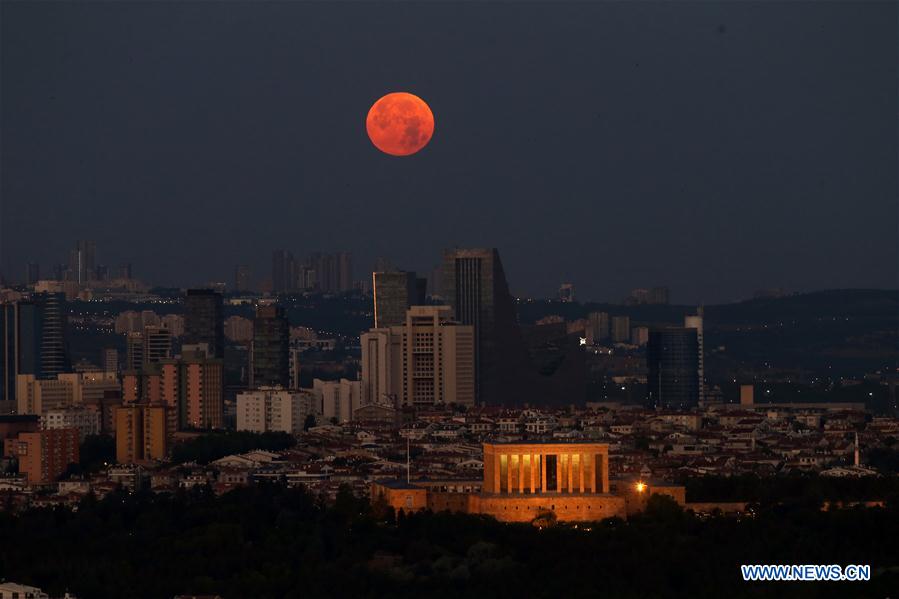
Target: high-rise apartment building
157	345
202	388
134	351
283	271
204	320
141	434
621	329
474	285
44	455
597	327
333	272
242	281
427	361
672	359
110	357
270	350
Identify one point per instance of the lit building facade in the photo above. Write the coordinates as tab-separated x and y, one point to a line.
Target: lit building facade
530	482
427	361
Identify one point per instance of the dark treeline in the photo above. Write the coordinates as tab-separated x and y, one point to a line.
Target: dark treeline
270	541
808	489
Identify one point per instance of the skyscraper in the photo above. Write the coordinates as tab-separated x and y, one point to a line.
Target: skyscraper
202	388
426	361
82	261
270	350
242	277
672	359
9	355
474	285
695	322
51	324
333	272
621	329
157	345
394	293
283	271
134	351
598	327
204	320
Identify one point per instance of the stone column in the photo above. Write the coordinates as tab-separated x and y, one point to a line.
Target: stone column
605	473
570	473
509	474
543	473
532	465
521	474
558	472
580	469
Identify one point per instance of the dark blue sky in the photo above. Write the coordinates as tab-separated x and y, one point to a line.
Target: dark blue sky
712	147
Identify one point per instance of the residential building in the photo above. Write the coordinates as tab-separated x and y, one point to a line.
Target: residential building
44	455
274	409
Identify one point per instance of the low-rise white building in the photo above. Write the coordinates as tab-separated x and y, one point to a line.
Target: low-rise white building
338	399
274	409
86	421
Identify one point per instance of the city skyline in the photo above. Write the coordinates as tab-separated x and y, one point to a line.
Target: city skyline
709	148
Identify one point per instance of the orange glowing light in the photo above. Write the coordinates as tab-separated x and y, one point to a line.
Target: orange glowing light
400	124
641	487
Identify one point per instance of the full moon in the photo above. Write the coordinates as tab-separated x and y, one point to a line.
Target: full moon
400	124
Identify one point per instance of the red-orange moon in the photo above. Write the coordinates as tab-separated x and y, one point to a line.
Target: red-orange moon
400	124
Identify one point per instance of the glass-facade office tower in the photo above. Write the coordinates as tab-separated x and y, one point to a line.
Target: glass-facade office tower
270	352
672	359
474	284
394	293
204	320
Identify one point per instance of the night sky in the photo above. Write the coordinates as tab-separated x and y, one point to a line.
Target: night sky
715	148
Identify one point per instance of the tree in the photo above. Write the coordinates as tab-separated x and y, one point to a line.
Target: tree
309	422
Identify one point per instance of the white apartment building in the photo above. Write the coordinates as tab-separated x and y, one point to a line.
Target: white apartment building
270	409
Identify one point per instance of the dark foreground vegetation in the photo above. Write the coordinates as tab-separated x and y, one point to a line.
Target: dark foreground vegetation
270	541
